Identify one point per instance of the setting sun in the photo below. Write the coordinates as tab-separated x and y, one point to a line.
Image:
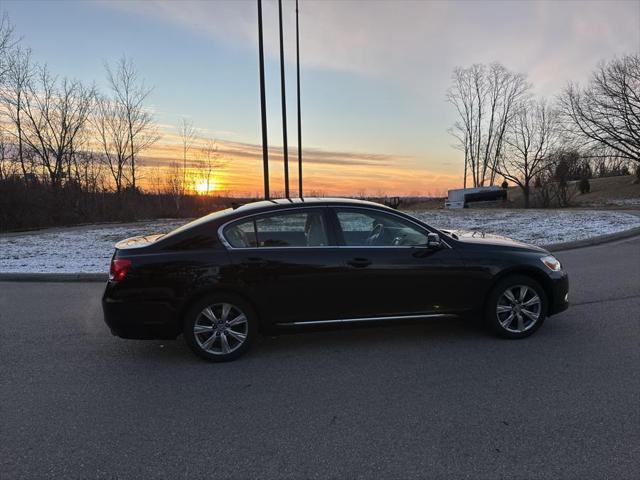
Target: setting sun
204	186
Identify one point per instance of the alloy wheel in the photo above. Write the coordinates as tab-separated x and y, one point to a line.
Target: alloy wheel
519	308
221	328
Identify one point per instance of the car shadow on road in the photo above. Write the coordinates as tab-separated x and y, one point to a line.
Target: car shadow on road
312	342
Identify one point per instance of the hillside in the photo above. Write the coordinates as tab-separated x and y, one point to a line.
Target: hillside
610	192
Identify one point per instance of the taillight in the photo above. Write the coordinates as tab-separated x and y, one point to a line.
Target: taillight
119	269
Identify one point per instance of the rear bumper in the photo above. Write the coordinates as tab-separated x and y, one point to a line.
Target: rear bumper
559	294
140	320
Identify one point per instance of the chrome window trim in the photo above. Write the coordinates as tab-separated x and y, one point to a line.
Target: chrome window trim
368	319
228	246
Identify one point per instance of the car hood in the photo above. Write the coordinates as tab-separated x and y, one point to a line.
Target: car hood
138	242
490	239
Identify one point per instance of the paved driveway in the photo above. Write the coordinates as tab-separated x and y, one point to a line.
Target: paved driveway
441	399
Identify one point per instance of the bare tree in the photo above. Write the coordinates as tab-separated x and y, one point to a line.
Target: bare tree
7	163
188	137
606	112
130	93
484	98
174	185
531	136
17	80
7	42
112	136
88	170
55	114
209	162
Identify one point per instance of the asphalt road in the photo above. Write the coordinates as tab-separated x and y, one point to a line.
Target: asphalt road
437	400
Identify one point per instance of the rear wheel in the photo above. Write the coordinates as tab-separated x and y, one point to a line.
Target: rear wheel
516	307
220	328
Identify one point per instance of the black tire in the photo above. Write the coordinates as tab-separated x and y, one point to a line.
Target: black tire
217	301
491	314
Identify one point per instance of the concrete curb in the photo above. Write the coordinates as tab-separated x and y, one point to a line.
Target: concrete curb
53	277
102	277
588	242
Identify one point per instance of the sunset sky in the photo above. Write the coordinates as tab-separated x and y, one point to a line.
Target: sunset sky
374	74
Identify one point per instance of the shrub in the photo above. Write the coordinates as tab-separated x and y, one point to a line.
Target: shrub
537	182
584	186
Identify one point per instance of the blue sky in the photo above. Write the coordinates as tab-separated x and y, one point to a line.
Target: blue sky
374	74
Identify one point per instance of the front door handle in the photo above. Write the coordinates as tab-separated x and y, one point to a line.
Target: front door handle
359	262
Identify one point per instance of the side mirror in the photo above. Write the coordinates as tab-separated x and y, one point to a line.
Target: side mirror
433	241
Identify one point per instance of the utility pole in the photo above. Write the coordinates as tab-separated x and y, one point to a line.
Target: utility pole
263	106
285	153
299	117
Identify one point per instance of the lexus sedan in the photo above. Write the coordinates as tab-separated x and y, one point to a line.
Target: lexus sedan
281	265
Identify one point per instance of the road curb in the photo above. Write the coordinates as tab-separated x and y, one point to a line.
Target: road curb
102	277
589	242
53	277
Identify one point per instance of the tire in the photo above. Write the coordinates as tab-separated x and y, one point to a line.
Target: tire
517	318
218	338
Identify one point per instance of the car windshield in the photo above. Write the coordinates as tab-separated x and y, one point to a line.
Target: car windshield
198	221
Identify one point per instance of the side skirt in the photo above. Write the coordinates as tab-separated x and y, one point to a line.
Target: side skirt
367	319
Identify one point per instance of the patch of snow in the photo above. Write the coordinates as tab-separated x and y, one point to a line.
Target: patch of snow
88	249
538	227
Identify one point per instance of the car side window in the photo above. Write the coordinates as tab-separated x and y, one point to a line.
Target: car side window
378	229
241	234
299	229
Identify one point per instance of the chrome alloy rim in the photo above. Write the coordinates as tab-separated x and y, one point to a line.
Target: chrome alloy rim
518	308
221	328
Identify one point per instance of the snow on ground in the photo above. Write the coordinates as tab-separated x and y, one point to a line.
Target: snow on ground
89	248
539	227
85	249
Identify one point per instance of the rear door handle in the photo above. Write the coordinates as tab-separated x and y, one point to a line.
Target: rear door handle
255	261
359	262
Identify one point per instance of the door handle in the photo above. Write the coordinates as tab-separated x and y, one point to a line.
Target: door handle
359	262
255	261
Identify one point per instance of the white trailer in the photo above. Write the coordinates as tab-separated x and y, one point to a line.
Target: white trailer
461	197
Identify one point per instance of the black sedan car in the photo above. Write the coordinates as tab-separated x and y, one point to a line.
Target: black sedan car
288	264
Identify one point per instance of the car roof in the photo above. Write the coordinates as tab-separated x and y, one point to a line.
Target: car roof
263	206
275	204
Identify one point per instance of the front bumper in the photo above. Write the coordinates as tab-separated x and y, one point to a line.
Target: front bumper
559	293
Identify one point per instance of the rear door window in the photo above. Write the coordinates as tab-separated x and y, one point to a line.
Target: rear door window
291	229
241	234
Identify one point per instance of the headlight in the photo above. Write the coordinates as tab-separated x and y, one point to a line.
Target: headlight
551	262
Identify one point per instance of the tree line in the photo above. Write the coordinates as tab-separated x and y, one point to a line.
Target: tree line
70	152
507	133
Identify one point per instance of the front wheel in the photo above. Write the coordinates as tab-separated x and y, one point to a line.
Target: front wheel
220	328
516	307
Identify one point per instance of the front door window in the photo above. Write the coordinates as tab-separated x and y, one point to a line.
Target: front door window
376	229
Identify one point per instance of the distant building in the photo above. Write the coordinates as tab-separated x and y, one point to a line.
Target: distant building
462	197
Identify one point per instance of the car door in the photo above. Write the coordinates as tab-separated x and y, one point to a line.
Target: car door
387	269
286	262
